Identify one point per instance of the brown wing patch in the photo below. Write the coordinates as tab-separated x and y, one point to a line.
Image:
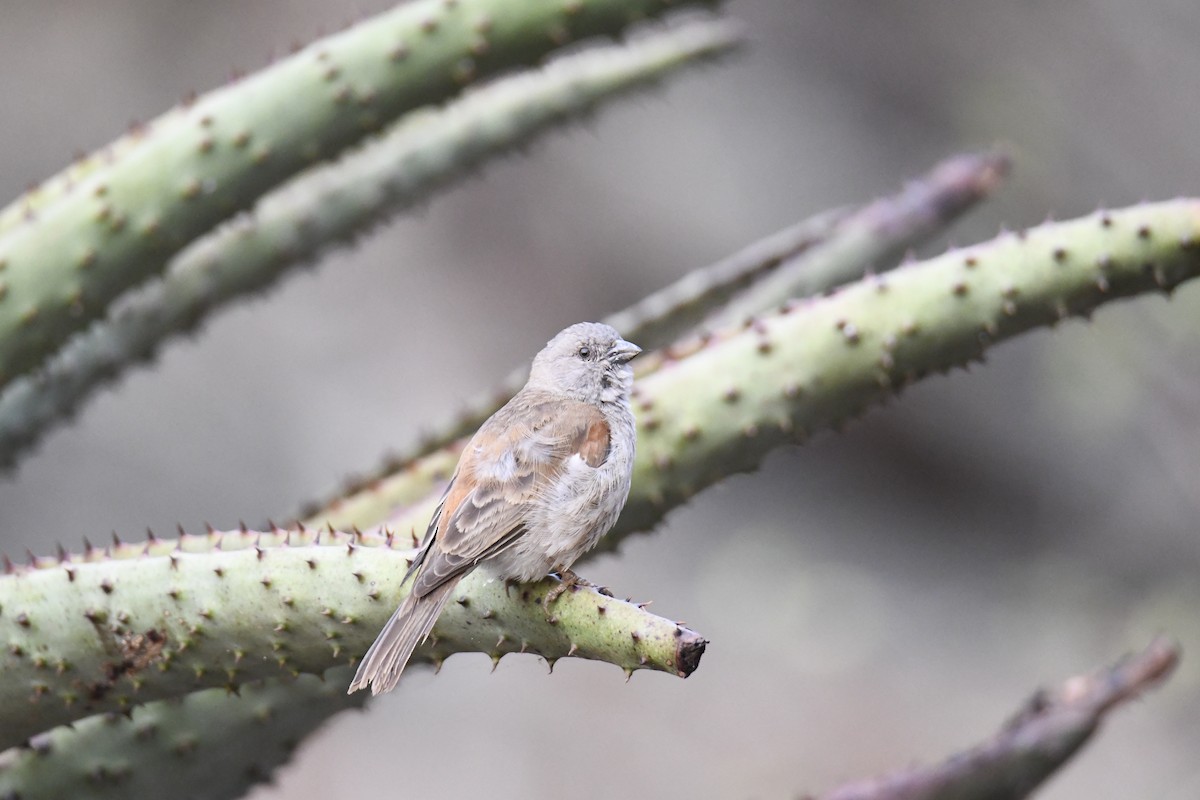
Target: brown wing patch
595	442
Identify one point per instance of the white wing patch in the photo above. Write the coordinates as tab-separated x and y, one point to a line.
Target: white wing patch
504	469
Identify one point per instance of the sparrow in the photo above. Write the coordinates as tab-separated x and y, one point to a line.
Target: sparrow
535	488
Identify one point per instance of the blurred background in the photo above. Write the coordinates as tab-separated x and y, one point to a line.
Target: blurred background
875	598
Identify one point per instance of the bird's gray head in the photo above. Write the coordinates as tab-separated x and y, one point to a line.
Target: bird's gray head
588	361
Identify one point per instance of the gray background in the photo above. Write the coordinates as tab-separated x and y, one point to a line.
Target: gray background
875	598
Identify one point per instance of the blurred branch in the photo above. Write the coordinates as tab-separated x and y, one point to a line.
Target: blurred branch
178	177
329	205
810	257
208	744
876	236
713	407
1040	739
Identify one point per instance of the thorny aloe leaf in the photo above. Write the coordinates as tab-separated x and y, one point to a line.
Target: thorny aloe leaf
137	623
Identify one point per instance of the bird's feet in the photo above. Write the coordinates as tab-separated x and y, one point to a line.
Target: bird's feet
569	580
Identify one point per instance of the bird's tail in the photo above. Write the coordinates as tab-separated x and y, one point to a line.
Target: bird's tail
383	664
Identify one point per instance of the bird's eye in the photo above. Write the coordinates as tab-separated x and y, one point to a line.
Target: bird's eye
585	352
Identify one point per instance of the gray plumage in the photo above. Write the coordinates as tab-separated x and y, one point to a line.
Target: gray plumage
536	487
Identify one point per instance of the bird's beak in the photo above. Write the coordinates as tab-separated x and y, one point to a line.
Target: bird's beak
623	351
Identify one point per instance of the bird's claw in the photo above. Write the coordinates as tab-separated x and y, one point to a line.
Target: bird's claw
567	579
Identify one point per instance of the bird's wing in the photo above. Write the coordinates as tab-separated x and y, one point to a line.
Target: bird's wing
506	465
